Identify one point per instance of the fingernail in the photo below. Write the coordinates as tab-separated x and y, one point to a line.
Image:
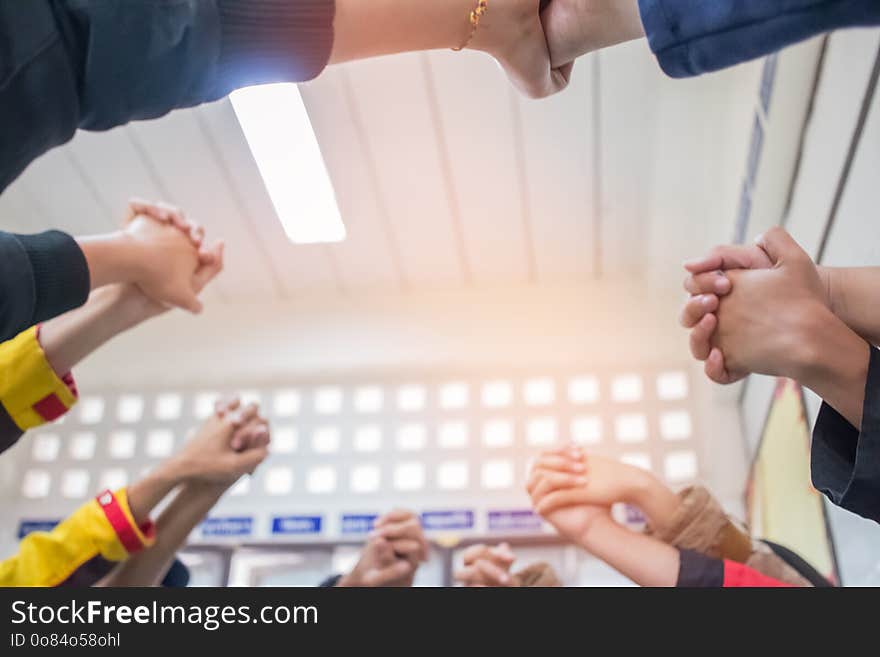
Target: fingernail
706	300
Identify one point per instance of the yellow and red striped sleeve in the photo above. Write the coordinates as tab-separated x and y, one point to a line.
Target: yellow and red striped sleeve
81	549
31	392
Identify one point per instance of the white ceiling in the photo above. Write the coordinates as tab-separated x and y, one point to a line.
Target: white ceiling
446	178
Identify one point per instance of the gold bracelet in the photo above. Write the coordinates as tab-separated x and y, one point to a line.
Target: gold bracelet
474	19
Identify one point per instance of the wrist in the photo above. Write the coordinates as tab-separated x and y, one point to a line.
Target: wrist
828	277
594	528
112	258
834	364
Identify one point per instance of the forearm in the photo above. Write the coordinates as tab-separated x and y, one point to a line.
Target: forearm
835	367
645	560
190	506
383	27
852	292
656	500
145	495
68	339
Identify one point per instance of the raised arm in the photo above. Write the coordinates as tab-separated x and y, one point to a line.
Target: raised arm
189	507
509	30
569	476
853	295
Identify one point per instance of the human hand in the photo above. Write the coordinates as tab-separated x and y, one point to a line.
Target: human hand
563	506
486	565
403	530
391	556
379	566
231	443
707	281
142	307
511	31
576	27
768	322
568	476
167	214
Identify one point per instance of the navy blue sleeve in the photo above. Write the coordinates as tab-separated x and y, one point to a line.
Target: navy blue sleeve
41	276
690	37
845	461
696	570
96	64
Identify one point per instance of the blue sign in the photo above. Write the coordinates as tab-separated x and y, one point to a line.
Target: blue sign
634	515
231	526
439	520
26	527
358	524
296	525
514	520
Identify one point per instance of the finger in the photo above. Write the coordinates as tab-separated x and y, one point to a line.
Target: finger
174	214
727	256
223	406
408	548
712	282
248	461
196	233
501	558
778	244
396	515
717	371
696	308
384	576
557	462
141	207
561	499
474	553
492	574
243	415
504	550
700	338
407	529
556	481
251	435
468	576
208	271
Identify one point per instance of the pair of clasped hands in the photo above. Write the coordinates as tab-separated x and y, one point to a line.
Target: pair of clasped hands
540	58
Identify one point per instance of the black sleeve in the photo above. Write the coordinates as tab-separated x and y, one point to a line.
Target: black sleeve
9	431
41	276
845	461
330	582
696	570
96	64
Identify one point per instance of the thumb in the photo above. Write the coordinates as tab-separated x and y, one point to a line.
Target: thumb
190	302
779	245
249	460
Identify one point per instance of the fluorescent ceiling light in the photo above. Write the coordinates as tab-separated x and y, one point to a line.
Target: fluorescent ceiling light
278	130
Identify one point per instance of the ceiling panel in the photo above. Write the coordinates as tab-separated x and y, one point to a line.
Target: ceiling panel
627	86
369	258
474	100
294	267
392	100
558	153
63	195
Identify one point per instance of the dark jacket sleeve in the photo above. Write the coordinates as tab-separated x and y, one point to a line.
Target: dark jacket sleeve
94	64
845	461
697	570
41	276
691	37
